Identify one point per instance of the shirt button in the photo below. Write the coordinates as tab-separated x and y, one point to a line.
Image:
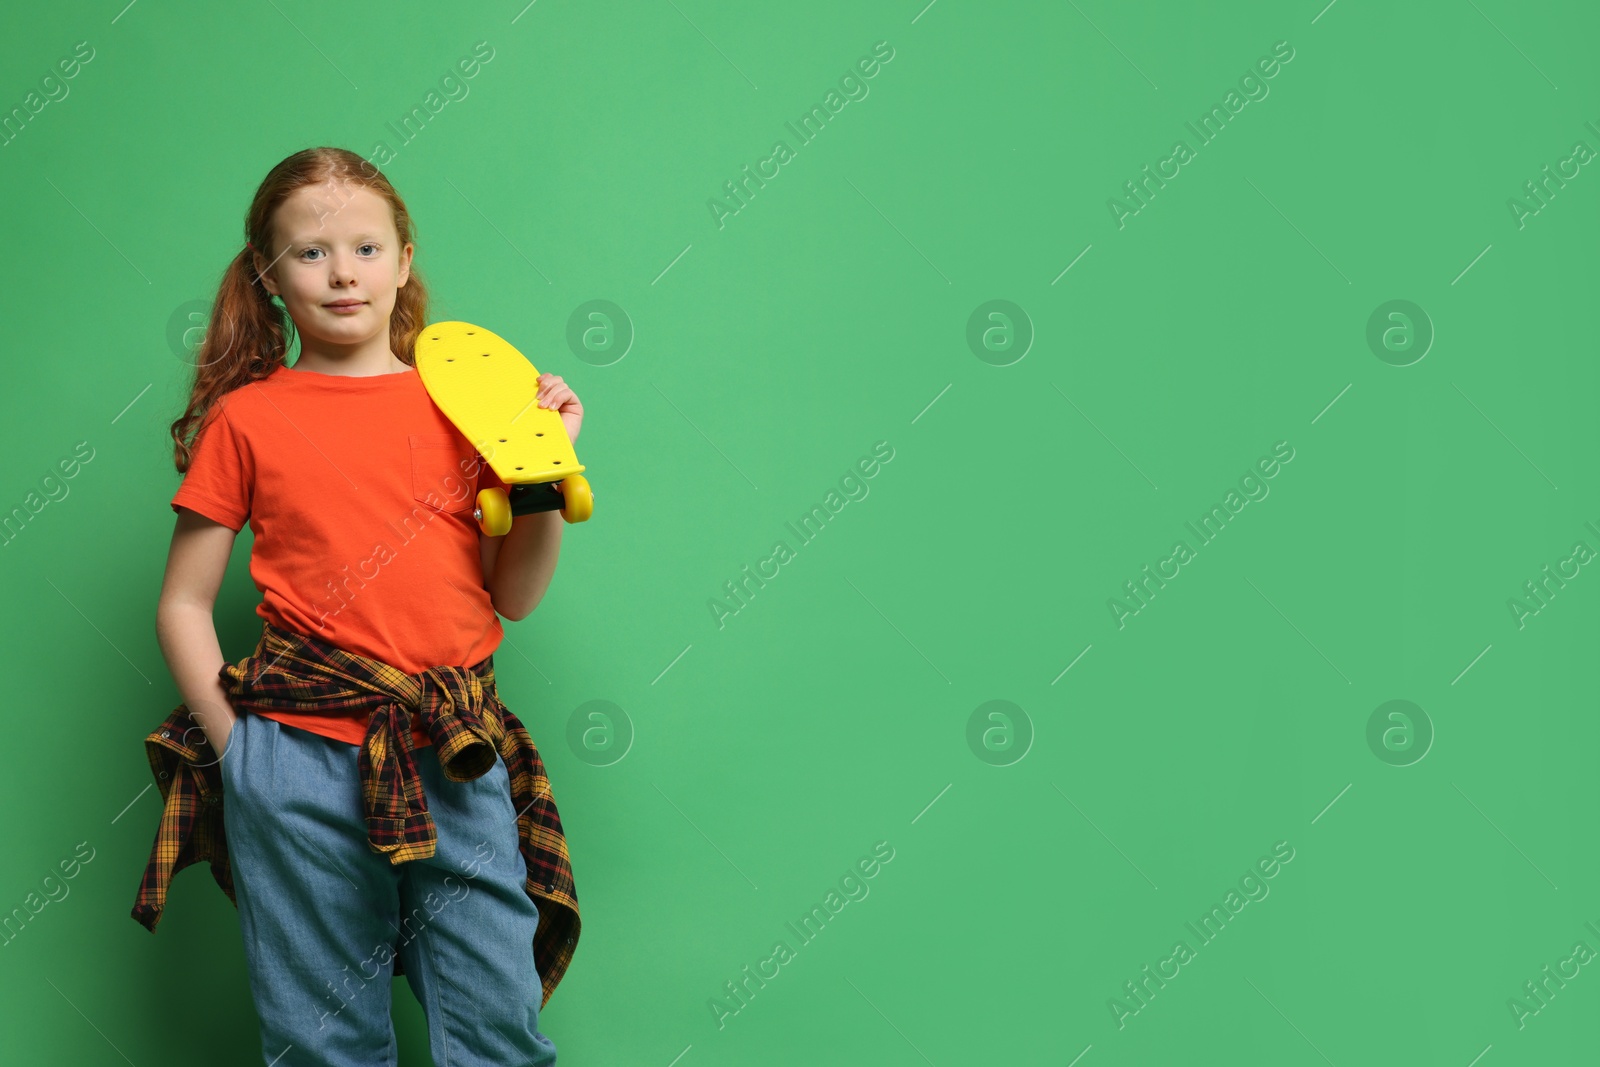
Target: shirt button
166	733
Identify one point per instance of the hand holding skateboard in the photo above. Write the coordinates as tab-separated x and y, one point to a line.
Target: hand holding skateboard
491	392
557	395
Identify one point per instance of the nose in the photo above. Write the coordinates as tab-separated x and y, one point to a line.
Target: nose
341	270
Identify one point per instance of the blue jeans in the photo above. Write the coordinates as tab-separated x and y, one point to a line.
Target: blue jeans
322	914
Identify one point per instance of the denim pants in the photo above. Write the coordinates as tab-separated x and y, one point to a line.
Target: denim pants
322	914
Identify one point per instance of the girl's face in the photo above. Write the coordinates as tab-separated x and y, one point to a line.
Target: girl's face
336	246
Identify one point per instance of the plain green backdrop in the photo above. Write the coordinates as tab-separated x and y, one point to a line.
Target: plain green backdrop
1047	850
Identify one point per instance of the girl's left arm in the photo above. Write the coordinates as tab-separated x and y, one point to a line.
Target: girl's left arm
517	567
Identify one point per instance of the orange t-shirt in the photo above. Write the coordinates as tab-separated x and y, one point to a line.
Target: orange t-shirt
360	495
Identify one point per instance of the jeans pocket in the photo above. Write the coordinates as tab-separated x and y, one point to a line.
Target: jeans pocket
439	466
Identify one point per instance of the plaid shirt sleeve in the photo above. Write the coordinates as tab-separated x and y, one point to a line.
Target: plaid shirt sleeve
544	852
191	815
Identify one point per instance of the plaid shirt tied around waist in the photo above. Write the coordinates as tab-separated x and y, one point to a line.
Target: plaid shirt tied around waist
460	710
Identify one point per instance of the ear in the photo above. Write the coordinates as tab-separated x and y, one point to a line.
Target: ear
259	262
405	265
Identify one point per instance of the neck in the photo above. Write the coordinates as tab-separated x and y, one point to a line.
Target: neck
353	364
364	357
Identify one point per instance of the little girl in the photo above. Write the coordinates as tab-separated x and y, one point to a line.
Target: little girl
385	812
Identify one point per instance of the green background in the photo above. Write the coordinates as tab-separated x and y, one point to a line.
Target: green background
1039	869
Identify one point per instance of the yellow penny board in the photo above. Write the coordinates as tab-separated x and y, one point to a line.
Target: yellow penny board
489	389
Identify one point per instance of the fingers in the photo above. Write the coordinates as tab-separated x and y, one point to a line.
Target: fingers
553	391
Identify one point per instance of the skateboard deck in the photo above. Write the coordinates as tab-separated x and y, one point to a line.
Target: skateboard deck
488	389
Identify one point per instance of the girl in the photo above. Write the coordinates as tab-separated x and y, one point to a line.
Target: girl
372	778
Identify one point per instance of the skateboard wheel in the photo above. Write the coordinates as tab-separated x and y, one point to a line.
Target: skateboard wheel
580	498
494	512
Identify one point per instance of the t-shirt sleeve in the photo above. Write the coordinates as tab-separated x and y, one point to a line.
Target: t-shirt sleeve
221	476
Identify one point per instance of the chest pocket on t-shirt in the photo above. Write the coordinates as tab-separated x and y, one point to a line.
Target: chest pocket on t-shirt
443	472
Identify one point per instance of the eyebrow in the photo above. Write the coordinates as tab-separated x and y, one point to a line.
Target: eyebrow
301	240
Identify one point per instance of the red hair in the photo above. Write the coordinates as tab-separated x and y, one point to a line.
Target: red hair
248	336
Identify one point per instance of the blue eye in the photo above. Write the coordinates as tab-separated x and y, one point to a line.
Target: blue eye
308	251
370	245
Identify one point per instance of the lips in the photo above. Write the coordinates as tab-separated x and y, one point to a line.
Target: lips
345	304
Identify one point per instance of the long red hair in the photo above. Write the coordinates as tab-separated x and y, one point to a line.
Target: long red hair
248	336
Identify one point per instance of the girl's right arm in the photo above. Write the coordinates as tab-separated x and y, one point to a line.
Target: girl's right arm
196	563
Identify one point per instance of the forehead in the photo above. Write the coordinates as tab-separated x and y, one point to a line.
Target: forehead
331	211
